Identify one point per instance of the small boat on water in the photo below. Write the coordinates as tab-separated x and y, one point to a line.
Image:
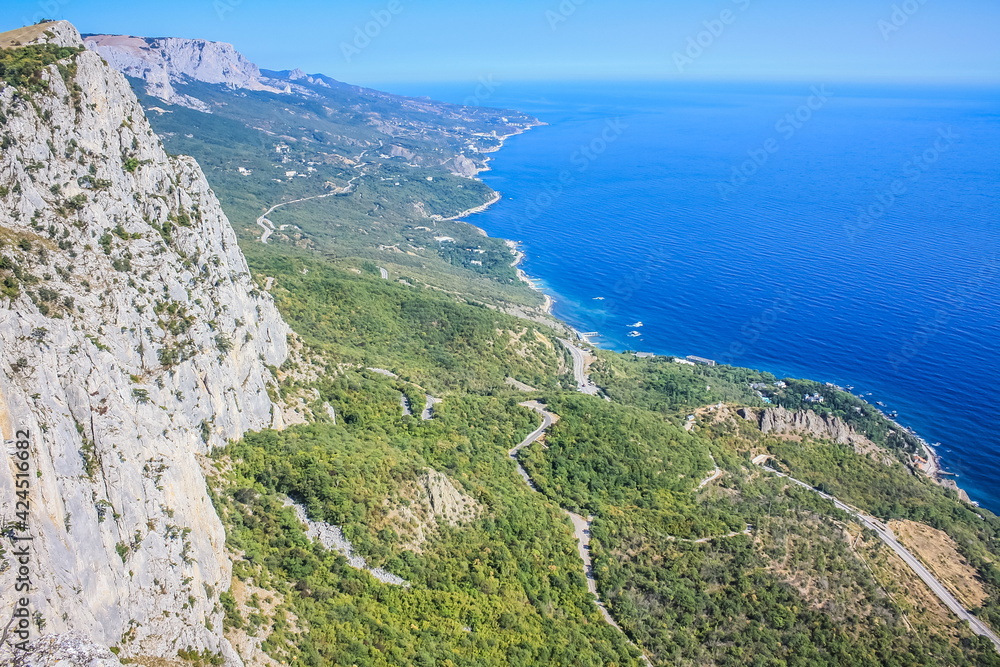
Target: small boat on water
636	325
598	298
634	334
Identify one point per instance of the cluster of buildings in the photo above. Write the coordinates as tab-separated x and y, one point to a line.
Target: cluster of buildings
759	387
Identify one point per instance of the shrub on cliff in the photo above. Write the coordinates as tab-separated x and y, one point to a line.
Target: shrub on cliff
22	67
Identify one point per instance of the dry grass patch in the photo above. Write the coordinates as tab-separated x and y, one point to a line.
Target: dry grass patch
921	609
941	556
22	36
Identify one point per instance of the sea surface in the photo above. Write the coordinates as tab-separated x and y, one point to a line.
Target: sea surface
840	233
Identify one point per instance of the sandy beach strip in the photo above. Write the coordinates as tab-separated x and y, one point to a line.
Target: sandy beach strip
525	278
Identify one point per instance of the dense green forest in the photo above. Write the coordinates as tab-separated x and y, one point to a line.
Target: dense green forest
746	570
434	339
504	590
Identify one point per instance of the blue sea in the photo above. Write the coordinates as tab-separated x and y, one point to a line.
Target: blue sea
840	233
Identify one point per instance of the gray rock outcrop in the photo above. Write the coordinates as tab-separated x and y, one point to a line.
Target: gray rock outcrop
70	650
463	166
781	421
332	538
432	501
165	62
132	341
446	502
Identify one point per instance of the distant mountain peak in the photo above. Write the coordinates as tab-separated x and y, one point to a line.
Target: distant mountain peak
165	62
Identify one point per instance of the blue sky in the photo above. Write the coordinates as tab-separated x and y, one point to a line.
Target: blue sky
934	41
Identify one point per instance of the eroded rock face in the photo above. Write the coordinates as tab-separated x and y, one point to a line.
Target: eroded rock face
165	62
446	502
781	421
132	340
433	501
461	165
332	538
69	651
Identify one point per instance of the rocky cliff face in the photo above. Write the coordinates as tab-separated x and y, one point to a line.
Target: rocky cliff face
165	62
780	421
132	340
826	427
457	138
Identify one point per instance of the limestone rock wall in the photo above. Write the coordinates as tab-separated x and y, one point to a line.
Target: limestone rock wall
164	62
132	340
781	421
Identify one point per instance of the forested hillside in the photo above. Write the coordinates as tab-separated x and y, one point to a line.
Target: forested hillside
743	569
699	555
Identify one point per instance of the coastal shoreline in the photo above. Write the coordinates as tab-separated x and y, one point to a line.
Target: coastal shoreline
496	195
519	256
472	211
934	471
513	245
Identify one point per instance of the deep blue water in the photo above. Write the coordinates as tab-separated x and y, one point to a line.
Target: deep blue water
629	194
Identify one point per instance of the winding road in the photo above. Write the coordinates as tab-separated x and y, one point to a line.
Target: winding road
428	412
404	402
581	525
268	226
548	419
887	536
714	476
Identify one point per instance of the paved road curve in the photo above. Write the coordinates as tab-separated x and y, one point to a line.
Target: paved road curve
548	419
583	383
889	538
716	474
428	412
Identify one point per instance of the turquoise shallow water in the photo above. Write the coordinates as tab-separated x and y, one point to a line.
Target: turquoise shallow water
848	235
